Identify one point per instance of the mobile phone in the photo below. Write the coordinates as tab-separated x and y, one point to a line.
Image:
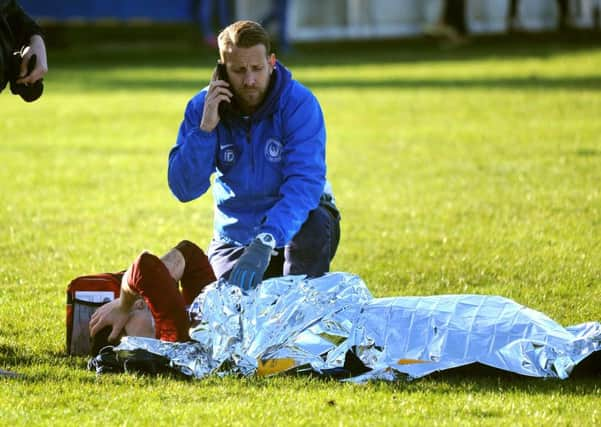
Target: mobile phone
226	109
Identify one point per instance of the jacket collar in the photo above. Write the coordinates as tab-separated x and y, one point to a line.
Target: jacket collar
280	78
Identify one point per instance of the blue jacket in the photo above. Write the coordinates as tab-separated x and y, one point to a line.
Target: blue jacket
269	168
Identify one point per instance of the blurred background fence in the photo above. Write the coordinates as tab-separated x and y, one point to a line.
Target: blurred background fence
314	20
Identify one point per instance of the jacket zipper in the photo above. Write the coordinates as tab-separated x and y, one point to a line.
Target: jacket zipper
248	142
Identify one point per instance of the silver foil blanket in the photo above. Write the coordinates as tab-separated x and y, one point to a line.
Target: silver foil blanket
297	324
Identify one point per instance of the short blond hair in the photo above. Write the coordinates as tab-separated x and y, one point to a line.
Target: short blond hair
243	34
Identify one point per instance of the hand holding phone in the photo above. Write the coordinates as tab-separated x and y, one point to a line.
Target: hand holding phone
225	108
218	100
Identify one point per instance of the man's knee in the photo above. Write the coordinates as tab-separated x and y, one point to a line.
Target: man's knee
314	233
314	246
222	257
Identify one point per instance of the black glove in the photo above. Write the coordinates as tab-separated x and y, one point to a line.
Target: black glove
248	271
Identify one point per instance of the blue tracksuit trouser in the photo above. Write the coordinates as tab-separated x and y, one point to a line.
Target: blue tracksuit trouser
310	251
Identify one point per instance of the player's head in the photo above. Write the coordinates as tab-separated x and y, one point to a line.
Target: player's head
139	324
244	48
243	34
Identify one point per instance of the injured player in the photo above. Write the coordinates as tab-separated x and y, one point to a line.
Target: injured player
150	302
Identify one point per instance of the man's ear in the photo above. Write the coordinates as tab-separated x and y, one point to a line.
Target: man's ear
271	61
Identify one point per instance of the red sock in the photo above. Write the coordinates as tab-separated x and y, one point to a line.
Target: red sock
198	273
150	278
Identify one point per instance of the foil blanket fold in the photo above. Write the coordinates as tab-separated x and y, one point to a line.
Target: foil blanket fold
299	324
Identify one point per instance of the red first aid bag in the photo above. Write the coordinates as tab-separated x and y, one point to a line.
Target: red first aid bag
84	295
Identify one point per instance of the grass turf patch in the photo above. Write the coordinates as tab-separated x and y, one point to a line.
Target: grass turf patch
467	171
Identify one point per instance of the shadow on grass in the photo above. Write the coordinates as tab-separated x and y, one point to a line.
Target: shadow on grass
590	83
475	377
180	45
59	367
88	51
425	49
584	380
588	152
12	355
20	356
587	372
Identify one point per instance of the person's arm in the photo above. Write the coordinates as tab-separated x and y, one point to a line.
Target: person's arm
304	168
192	160
21	25
115	313
27	32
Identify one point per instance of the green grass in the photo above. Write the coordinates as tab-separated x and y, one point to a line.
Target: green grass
466	171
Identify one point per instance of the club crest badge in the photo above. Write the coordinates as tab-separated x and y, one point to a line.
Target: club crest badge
273	150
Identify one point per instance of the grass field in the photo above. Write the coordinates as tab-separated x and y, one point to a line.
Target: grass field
475	170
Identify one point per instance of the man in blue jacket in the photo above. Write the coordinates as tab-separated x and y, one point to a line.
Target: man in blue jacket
263	135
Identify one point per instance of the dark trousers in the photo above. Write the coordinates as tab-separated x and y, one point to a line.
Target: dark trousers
454	15
309	252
